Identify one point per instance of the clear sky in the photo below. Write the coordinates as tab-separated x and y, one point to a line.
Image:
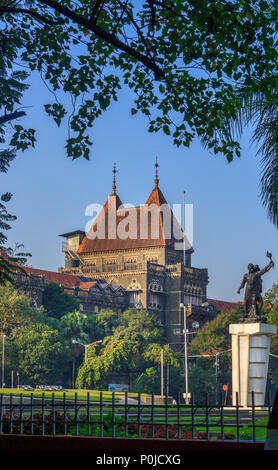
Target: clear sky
51	192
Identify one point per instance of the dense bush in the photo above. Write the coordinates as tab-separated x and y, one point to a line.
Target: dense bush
15	424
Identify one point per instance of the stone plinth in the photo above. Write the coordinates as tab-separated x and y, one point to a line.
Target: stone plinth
250	355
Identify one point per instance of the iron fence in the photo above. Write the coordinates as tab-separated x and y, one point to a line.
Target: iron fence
131	416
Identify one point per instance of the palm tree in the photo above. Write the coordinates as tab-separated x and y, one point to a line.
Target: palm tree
258	107
74	325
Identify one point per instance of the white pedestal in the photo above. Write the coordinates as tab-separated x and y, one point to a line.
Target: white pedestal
250	355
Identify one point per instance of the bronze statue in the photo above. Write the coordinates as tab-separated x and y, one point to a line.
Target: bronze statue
253	292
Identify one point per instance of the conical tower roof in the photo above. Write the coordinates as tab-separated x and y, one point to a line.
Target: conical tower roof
153	225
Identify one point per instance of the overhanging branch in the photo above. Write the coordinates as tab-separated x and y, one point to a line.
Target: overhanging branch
11	116
31	13
105	35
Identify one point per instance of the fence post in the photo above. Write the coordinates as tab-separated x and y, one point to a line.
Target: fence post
88	414
32	412
222	416
21	413
207	416
139	414
166	416
237	419
101	415
152	415
65	411
126	415
253	417
1	413
192	416
76	414
179	417
43	406
53	414
113	414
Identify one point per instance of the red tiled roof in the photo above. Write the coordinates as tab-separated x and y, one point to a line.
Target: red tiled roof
66	280
106	242
87	285
223	305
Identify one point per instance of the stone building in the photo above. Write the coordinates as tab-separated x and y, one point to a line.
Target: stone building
135	248
93	294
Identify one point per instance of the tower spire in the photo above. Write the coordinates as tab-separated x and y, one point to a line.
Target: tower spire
114	171
156	180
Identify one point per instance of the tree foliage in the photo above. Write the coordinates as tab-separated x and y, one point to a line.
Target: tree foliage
213	338
133	348
16	310
258	107
58	303
182	60
271	311
11	91
41	354
32	346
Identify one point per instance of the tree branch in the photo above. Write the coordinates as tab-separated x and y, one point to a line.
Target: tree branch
96	10
105	35
31	13
125	9
11	116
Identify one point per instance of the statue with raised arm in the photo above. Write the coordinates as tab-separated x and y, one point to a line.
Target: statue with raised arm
253	292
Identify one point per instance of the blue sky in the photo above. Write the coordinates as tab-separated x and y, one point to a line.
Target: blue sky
51	192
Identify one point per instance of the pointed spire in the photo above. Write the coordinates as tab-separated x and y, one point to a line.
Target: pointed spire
114	171
156	180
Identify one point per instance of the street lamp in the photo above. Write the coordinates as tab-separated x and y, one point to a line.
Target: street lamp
161	374
185	332
74	341
3	360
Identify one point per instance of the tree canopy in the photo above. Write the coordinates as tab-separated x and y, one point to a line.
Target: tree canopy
58	303
213	338
32	346
40	354
182	59
134	349
271	313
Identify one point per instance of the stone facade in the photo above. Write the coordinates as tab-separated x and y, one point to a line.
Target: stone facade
93	295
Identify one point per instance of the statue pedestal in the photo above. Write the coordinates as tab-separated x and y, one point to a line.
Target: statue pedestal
250	354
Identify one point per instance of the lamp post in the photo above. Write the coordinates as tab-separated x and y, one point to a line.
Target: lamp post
185	332
3	360
183	306
161	374
74	341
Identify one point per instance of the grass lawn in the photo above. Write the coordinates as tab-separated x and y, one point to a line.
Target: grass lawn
70	394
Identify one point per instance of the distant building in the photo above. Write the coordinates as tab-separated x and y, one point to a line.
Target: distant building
93	294
152	272
141	271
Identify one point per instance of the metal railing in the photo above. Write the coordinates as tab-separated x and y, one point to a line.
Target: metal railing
131	417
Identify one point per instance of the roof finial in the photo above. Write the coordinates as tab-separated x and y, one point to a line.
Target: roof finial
156	180
114	171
